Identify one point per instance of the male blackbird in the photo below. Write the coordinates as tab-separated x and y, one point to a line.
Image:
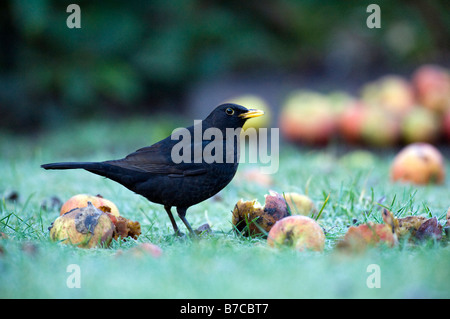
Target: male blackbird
157	173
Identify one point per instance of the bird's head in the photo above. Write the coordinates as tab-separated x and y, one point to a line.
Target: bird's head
231	115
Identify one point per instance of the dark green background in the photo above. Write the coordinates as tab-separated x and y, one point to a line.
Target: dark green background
146	56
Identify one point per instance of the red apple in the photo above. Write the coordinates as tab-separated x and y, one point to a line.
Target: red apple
351	121
418	163
307	118
358	238
81	200
379	128
141	250
391	92
420	125
146	249
432	85
299	232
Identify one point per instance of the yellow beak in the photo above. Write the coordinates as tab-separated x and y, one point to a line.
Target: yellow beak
251	113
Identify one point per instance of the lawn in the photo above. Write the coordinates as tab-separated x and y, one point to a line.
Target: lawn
221	264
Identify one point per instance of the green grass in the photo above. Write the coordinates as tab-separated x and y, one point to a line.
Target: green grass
222	264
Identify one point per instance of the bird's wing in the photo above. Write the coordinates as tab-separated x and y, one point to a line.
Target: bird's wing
157	159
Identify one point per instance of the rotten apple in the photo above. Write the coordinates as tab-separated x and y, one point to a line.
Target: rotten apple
413	227
359	238
81	200
85	227
299	232
124	227
250	218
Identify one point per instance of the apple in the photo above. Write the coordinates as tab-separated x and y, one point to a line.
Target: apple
148	248
351	121
413	228
339	100
432	86
379	128
144	249
253	101
404	228
418	163
124	227
85	227
82	200
420	125
307	117
369	124
391	92
299	232
408	226
300	204
430	229
250	218
359	238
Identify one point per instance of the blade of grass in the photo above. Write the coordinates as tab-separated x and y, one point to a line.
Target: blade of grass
323	206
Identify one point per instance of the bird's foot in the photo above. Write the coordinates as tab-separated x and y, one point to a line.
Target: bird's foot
204	229
179	233
180	236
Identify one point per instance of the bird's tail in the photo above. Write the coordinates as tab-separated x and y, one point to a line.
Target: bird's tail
126	177
71	165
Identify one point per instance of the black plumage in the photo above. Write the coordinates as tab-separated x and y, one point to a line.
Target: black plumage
156	174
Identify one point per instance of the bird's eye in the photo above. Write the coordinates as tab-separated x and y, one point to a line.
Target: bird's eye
229	111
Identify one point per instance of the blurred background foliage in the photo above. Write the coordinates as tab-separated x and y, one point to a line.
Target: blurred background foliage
144	56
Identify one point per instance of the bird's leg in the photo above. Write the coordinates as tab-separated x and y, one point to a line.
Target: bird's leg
182	214
172	220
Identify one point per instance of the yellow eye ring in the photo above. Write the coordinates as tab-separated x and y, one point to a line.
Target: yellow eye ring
229	111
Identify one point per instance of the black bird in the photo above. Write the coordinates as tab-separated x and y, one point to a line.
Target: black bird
157	172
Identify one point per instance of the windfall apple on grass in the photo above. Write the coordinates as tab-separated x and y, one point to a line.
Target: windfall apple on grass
82	200
299	232
418	163
85	227
122	227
